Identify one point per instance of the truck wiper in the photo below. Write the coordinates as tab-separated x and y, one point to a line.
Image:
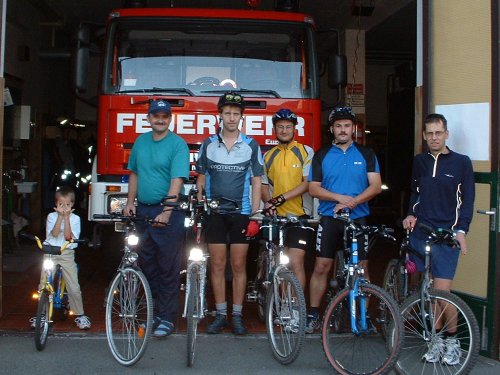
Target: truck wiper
247	91
159	90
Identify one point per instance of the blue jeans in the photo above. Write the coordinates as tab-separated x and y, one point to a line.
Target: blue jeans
160	259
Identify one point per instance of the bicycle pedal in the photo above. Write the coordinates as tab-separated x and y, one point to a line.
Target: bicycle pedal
252	296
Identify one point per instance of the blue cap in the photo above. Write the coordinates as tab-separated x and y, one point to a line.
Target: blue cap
159	106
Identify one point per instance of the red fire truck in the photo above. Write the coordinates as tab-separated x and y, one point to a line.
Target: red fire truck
189	57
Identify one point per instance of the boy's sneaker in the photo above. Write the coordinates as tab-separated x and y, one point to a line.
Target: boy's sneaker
82	322
164	329
238	325
219	323
312	323
435	350
452	351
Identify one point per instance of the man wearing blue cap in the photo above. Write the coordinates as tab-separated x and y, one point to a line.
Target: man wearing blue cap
159	164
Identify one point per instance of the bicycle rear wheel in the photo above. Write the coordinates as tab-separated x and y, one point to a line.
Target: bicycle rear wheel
43	313
372	351
129	315
417	345
193	313
285	317
394	279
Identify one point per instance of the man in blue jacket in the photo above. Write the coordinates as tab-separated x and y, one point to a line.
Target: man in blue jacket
442	196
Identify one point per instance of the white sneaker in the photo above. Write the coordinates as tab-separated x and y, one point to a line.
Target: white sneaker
435	350
452	352
82	322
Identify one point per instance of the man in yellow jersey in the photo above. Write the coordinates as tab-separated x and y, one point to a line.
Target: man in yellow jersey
285	183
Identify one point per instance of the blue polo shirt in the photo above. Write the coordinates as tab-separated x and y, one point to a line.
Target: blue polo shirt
343	173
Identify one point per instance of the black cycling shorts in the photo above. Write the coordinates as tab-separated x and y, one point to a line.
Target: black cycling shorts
227	229
330	238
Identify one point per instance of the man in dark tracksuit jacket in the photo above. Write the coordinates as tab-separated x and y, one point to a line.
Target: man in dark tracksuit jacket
442	196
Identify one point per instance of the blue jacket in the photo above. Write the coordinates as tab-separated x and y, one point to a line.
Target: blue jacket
442	190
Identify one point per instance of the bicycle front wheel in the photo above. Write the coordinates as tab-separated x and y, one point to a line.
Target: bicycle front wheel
129	315
455	356
394	280
193	313
285	316
42	320
373	350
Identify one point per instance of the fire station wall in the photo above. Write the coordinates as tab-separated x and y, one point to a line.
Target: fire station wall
460	73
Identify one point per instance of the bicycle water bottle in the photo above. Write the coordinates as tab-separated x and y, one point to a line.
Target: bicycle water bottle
354	250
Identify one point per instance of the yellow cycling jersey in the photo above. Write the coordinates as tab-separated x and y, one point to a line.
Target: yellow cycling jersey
286	166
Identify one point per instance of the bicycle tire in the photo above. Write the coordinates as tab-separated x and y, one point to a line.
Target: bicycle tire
415	346
42	321
372	352
193	313
129	316
285	317
259	285
394	280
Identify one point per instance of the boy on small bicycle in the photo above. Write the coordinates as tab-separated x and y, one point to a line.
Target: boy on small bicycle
63	225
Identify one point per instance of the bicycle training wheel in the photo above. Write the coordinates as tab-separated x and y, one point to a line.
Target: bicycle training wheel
129	315
285	317
416	345
193	313
394	280
373	350
42	320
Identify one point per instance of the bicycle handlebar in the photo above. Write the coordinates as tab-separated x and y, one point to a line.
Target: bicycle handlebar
124	218
259	217
370	230
440	235
52	249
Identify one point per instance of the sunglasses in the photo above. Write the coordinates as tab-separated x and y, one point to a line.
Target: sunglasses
233	98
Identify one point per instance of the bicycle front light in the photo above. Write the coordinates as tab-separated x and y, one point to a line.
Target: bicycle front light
284	259
196	254
48	264
213	204
132	240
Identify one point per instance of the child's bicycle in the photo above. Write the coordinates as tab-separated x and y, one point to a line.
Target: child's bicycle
278	291
52	295
426	350
362	330
129	304
195	306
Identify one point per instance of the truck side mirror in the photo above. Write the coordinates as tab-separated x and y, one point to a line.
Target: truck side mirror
337	71
82	58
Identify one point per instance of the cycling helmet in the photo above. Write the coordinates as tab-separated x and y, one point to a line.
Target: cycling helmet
285	114
231	98
341	113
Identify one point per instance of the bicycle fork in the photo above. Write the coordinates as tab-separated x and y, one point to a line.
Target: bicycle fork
358	325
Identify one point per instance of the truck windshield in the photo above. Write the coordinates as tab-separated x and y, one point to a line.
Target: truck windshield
203	58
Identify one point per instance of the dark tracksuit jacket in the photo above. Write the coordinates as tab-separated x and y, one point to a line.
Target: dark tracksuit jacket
442	191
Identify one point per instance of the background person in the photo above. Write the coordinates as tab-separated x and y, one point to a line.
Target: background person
343	175
229	163
442	196
159	164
